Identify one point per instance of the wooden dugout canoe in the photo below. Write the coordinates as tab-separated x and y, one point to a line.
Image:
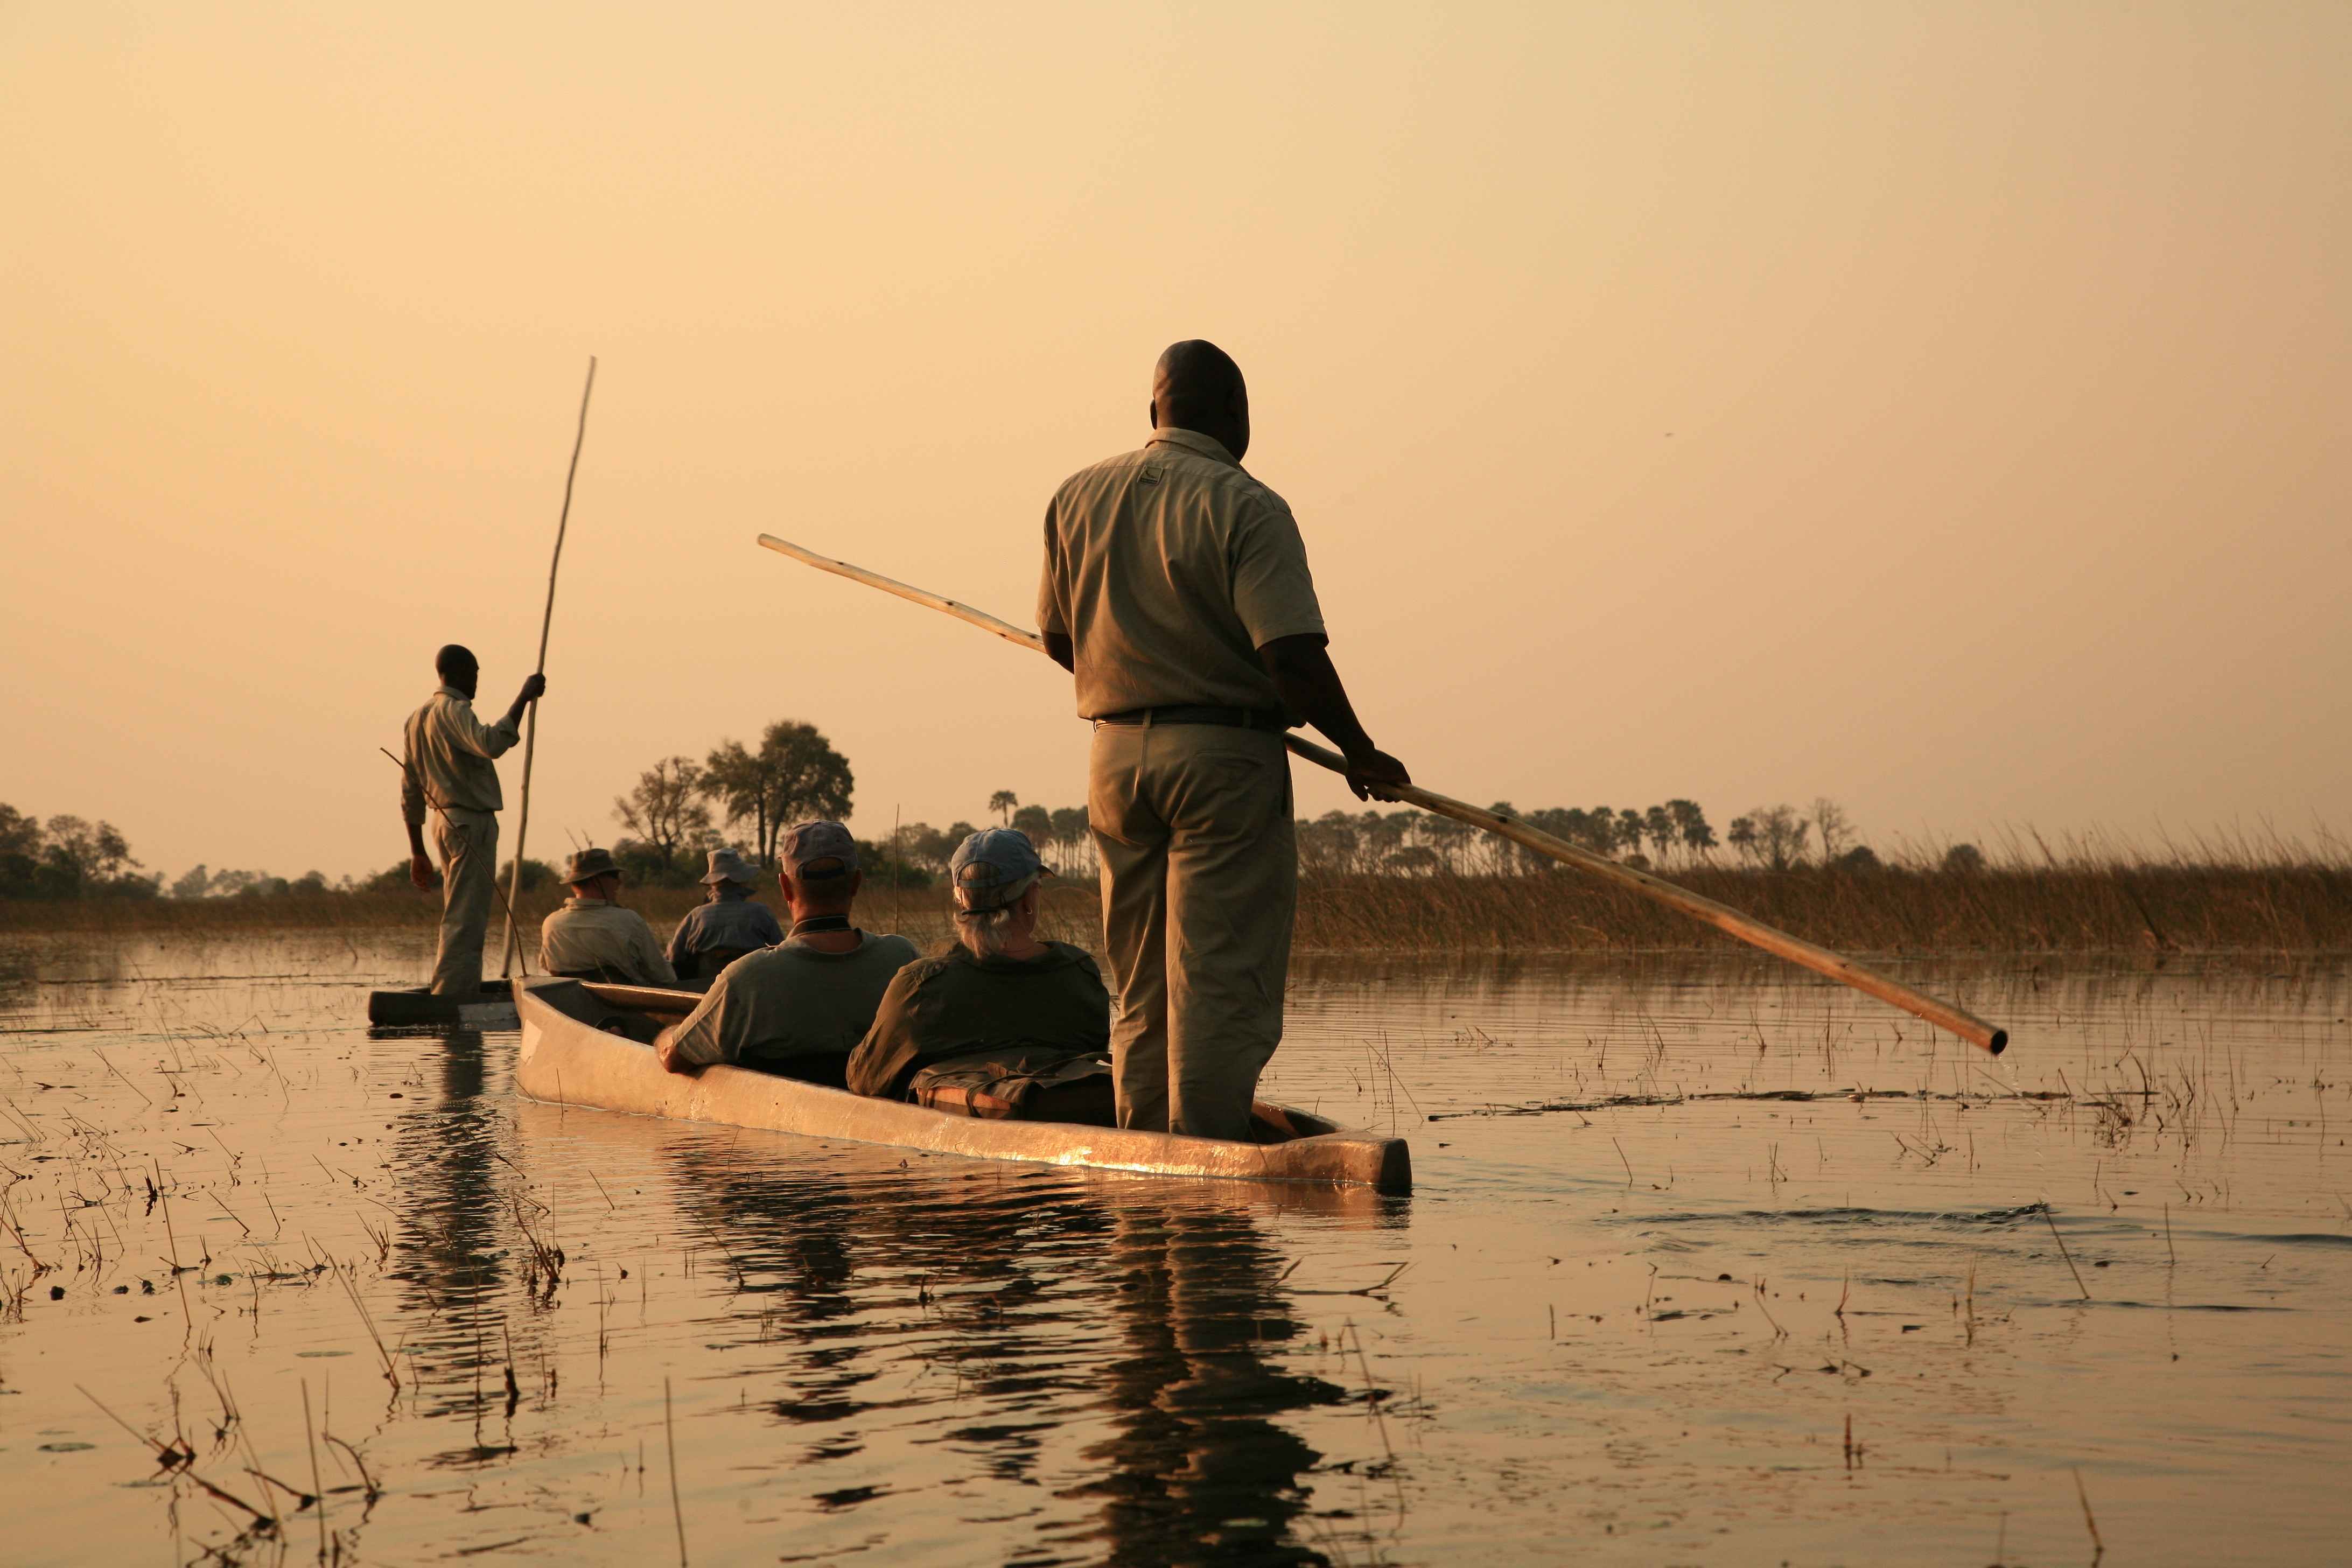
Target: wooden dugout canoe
492	1007
587	1044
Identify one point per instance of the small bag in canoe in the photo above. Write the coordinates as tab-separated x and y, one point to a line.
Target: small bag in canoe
1016	1085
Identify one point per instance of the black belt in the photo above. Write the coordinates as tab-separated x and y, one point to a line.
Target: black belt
1231	718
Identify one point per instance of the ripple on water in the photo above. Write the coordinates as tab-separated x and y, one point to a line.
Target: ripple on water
1677	1227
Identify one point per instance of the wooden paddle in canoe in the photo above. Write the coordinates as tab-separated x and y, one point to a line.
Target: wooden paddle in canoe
590	1044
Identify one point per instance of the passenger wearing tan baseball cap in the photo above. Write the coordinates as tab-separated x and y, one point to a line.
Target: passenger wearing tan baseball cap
797	1009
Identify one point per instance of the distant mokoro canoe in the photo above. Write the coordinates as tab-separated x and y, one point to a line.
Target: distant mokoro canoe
585	1044
492	1007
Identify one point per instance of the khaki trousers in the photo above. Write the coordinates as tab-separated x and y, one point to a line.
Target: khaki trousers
468	842
1199	879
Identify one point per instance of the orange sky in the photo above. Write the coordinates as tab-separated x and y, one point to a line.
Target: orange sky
1941	408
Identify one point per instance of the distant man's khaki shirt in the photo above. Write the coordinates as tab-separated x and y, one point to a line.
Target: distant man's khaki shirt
1169	569
449	756
589	933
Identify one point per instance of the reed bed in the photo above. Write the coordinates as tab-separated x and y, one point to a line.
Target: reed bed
923	913
2144	908
294	911
2064	909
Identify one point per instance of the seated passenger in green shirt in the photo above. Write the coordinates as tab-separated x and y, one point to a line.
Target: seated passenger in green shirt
999	994
797	1008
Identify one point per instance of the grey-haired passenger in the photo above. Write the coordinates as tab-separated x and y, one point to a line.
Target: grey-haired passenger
731	925
1000	994
799	1007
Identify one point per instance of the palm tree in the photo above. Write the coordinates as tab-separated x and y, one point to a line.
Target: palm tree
1070	832
1002	803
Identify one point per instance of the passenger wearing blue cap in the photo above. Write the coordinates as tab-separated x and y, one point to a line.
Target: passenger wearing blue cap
1001	1000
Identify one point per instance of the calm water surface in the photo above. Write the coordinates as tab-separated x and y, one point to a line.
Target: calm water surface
1637	1311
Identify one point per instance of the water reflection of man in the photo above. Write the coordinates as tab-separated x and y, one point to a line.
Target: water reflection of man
451	1205
1198	1467
1013	1299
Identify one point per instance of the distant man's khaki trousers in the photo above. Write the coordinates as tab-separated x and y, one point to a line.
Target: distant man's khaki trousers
1200	880
469	841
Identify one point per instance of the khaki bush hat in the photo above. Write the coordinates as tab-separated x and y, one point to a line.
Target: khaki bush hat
726	866
588	865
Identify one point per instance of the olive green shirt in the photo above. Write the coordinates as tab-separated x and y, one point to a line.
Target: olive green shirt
792	1000
959	1006
1168	569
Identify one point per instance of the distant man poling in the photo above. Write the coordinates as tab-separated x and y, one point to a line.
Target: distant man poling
449	770
1176	590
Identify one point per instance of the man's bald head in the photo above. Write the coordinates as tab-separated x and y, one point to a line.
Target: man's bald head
1197	387
458	667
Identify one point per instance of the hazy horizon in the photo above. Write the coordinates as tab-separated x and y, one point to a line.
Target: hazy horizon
1942	410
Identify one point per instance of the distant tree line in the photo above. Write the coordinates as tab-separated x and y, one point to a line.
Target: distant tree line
67	858
1670	836
744	796
669	814
1422	844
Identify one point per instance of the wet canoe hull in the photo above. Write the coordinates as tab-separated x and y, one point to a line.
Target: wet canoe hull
492	1007
568	1060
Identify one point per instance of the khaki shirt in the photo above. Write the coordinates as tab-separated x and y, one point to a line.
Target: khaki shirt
792	1000
449	754
1169	569
589	933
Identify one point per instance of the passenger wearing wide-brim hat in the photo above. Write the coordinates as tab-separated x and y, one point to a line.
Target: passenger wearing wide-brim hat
730	925
592	937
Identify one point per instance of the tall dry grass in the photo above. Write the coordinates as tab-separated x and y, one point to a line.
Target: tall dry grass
925	914
2008	909
2068	904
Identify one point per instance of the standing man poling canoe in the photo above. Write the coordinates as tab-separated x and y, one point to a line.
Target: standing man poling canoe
1176	590
449	772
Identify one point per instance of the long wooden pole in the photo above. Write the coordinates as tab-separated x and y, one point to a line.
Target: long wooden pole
531	721
1724	917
